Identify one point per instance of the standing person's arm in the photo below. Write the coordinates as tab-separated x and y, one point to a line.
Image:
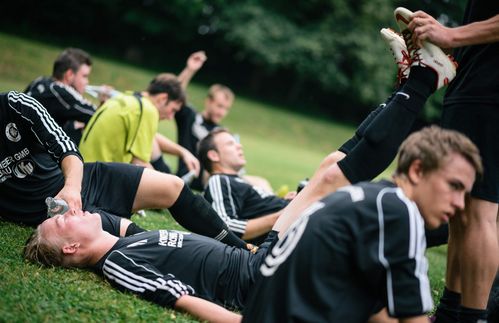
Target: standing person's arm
425	27
194	63
57	144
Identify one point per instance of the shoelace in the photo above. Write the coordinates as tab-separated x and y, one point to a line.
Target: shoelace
404	66
413	49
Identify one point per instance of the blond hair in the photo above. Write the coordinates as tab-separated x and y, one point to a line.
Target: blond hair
229	95
39	249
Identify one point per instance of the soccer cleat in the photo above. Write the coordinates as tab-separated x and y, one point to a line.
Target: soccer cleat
428	55
399	52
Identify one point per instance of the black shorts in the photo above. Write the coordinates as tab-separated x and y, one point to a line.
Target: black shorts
480	122
110	187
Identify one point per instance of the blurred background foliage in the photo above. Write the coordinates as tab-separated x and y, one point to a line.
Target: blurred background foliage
323	55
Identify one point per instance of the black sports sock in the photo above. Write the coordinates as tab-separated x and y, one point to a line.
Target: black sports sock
448	309
472	315
160	165
359	132
388	128
133	229
419	86
195	214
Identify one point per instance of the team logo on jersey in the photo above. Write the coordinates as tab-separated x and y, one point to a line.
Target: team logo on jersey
173	239
23	168
287	244
12	133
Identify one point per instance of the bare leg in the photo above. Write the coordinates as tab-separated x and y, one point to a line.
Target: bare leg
327	179
157	190
478	253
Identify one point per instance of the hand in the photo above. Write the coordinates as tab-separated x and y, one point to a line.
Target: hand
290	195
72	196
426	28
252	248
191	162
105	93
196	61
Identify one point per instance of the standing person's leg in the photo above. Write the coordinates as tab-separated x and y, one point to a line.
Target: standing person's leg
470	274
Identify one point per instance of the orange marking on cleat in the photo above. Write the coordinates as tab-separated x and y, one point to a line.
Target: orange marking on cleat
400	17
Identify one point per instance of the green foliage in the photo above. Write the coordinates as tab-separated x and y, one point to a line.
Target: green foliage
325	54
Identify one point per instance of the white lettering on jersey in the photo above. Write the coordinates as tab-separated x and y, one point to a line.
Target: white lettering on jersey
173	239
23	168
6	169
285	246
356	193
12	133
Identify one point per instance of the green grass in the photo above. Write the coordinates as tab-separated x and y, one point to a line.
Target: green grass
284	147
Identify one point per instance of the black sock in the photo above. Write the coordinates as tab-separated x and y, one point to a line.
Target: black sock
448	309
420	86
160	165
195	214
133	229
472	315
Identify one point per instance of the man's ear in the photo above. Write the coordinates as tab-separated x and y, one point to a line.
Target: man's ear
415	172
213	155
70	248
165	96
68	76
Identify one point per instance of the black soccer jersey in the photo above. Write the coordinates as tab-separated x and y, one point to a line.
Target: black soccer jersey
477	80
163	265
236	201
191	128
350	252
63	103
31	147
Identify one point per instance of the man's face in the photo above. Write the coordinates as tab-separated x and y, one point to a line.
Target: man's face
168	109
79	80
440	194
216	108
230	152
72	227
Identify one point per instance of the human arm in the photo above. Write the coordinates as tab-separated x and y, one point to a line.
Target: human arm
72	169
402	255
260	225
205	310
425	27
168	146
382	317
194	63
56	143
72	105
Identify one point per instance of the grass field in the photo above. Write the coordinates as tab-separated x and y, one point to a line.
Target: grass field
281	146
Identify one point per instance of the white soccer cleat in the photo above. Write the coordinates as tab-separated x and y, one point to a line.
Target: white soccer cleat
399	51
428	55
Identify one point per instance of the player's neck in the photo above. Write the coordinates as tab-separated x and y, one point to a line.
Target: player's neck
405	185
100	246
